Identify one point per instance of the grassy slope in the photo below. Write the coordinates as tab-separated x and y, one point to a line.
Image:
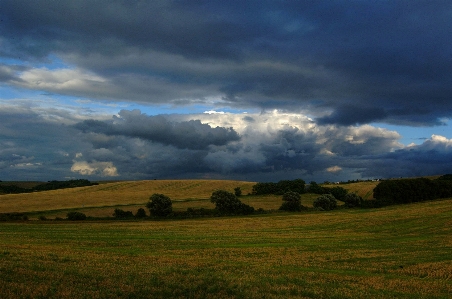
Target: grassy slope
101	200
363	189
116	194
393	252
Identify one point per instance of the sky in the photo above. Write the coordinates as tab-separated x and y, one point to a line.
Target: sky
244	90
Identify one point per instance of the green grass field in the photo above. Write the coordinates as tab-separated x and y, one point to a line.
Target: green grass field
393	252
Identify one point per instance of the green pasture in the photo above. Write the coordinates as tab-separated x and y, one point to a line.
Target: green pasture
393	252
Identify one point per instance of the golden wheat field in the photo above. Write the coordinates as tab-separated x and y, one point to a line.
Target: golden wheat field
101	200
114	194
363	189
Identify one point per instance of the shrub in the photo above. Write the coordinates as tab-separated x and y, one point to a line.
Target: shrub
76	216
141	213
237	191
227	202
160	205
245	209
13	216
194	212
42	217
338	192
122	214
292	202
325	202
316	188
281	187
353	200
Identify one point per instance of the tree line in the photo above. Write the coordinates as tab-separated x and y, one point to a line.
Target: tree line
403	191
51	185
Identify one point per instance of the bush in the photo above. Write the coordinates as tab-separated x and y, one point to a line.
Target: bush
281	187
325	202
338	192
76	216
353	200
141	213
227	202
316	188
122	214
237	191
160	205
292	202
13	216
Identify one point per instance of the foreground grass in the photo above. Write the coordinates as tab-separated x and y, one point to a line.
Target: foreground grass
395	252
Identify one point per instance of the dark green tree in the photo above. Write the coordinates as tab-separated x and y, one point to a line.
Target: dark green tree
291	202
353	200
325	202
227	202
118	213
237	191
141	213
316	188
338	192
160	205
76	216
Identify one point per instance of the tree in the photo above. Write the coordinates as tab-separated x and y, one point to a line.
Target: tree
141	213
291	202
160	205
338	192
237	191
122	214
316	188
227	202
325	202
353	200
281	187
76	216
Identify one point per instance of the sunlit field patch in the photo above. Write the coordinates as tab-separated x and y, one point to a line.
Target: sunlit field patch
101	200
116	194
363	189
393	252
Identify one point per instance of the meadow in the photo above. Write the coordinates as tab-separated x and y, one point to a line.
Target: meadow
401	251
101	200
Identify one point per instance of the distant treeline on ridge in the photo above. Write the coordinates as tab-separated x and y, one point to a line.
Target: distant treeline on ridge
51	185
413	190
280	187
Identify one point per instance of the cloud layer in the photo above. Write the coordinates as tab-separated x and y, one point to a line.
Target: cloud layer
316	77
256	147
345	62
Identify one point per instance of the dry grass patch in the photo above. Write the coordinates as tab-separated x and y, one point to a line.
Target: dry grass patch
116	193
363	189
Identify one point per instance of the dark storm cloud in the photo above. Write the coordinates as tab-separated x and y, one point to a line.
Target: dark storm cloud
432	157
35	148
347	62
352	115
187	134
41	143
